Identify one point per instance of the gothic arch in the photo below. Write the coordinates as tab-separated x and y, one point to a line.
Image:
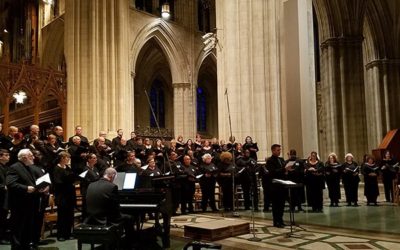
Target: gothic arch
205	79
200	59
165	38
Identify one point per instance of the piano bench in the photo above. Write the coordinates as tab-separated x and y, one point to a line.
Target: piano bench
109	235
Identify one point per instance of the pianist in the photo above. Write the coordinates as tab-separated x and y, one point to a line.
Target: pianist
103	204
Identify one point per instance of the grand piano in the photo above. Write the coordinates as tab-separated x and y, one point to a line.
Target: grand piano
149	195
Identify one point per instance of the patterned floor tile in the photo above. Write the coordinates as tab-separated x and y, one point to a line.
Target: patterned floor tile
344	239
388	245
318	245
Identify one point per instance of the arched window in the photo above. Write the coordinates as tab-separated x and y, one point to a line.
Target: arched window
201	110
157	100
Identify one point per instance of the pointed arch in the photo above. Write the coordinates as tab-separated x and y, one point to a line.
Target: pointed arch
166	39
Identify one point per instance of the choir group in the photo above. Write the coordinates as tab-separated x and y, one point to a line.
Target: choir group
25	158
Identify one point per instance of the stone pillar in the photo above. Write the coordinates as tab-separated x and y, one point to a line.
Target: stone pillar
184	124
381	90
342	88
299	86
99	89
248	68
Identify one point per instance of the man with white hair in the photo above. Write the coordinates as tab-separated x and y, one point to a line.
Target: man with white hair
24	200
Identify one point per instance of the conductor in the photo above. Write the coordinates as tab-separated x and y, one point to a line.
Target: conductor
276	169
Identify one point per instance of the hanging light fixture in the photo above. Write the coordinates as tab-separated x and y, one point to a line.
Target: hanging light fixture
165	10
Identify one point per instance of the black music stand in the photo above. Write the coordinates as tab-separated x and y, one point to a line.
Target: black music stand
289	185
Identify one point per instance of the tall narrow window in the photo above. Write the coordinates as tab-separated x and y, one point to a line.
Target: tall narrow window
157	100
201	110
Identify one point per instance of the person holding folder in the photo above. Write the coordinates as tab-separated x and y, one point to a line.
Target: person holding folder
24	200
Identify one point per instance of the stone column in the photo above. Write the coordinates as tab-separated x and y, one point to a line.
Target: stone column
248	68
99	89
343	100
184	124
298	85
381	90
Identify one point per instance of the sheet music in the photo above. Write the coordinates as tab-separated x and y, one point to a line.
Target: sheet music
284	182
199	176
290	164
130	180
43	179
83	174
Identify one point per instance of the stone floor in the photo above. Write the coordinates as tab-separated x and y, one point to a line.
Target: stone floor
362	227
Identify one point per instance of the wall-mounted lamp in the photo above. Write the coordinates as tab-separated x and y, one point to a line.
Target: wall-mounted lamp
165	10
19	96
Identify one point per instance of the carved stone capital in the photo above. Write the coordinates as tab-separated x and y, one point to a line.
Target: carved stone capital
183	85
342	41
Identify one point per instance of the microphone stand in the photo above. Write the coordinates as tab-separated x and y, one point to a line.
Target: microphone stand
235	213
252	191
166	159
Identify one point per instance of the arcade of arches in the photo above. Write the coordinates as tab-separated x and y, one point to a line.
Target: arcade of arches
308	74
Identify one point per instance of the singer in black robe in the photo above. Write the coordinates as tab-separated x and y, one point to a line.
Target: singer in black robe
65	198
315	183
388	175
371	172
207	183
333	172
24	201
350	180
226	173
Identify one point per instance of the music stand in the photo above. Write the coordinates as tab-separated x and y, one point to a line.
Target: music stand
289	185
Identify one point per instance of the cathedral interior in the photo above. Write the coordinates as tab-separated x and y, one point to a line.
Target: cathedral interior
313	75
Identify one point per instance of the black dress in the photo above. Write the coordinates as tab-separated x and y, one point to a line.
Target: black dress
207	185
388	175
225	172
350	181
333	174
65	198
371	190
315	184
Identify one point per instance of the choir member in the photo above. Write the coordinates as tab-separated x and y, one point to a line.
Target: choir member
24	200
132	141
151	169
247	168
333	173
78	132
207	183
131	164
116	140
388	175
90	174
65	198
226	173
350	180
59	133
252	146
295	173
315	183
78	154
370	172
188	187
266	182
4	159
